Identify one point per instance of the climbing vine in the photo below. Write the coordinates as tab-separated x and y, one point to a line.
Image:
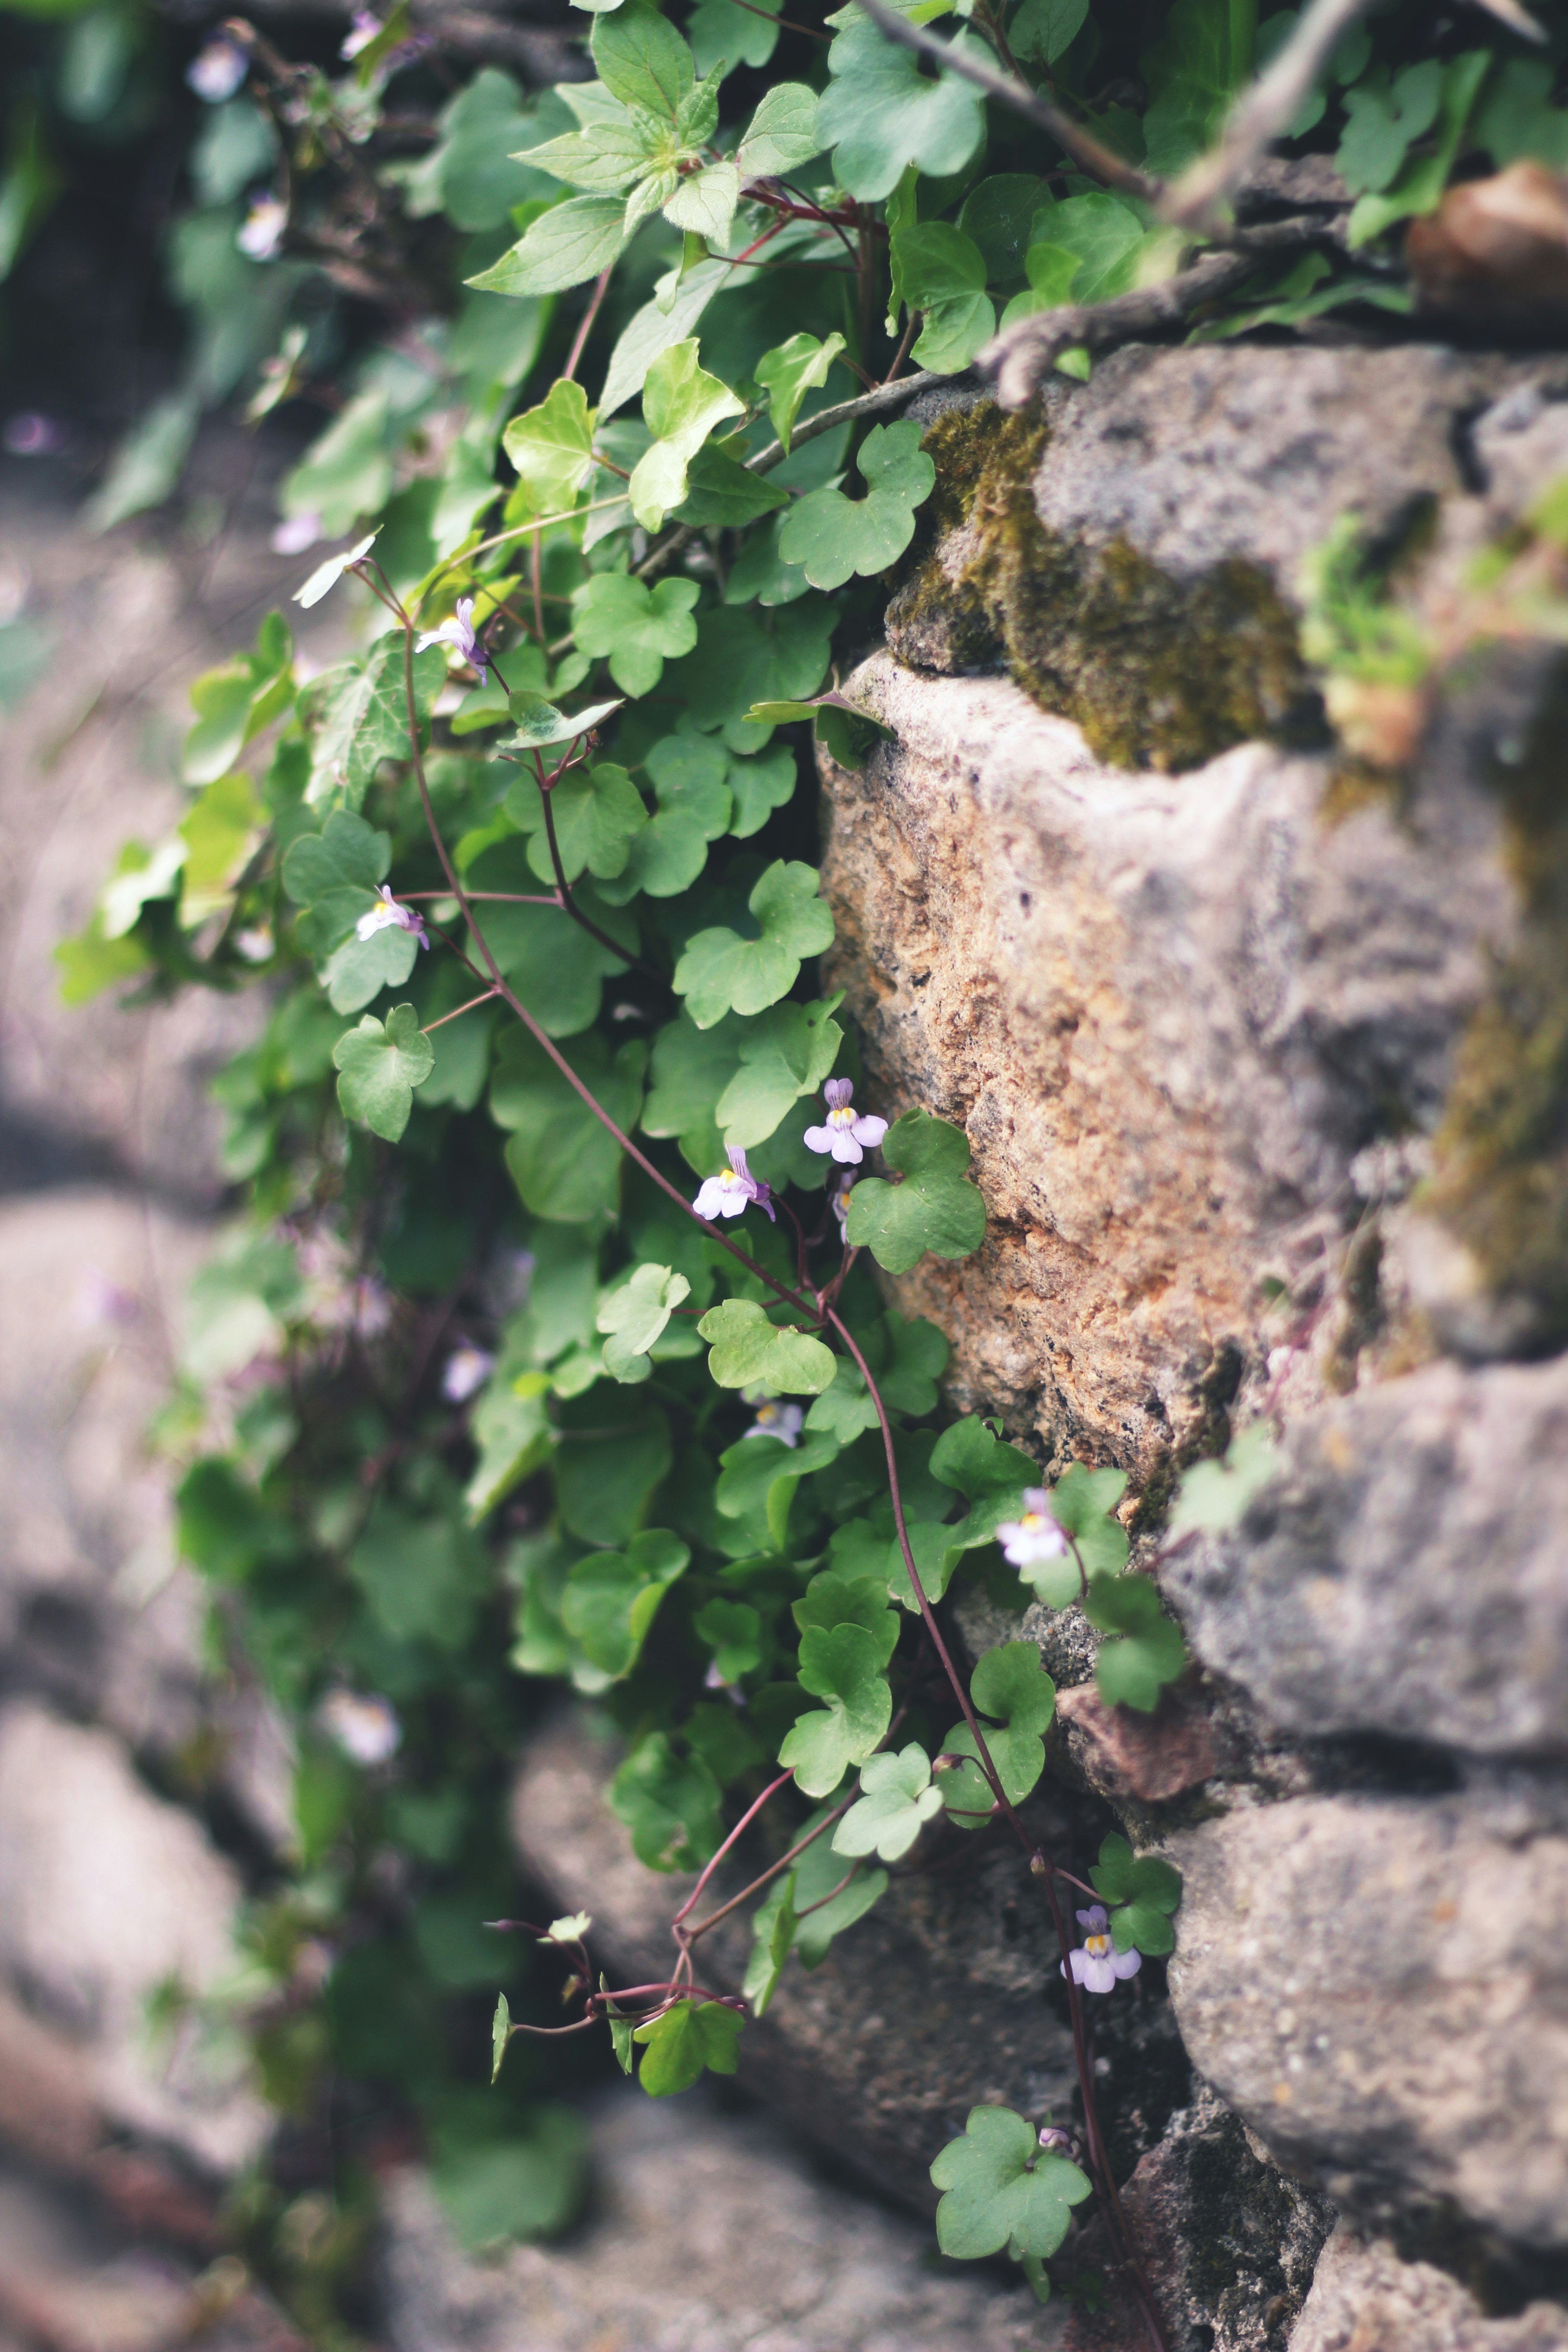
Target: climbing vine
551	1347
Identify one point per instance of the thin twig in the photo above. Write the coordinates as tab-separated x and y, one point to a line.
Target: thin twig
487	998
1024	353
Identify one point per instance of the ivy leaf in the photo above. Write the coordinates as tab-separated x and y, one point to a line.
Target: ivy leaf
831	538
745	656
909	1360
789	372
786	1053
989	1473
1081	1501
1011	1685
233	703
553	448
724	36
1083	249
221	834
943	274
759	786
379	1067
688	2037
773	1929
819	1892
835	1599
690	1069
896	1801
1382	120
748	1351
568	244
758	1477
356	715
1143	1890
719	971
477	176
880	114
1001	2188
1215	1496
635	1315
1132	1670
333	875
782	134
1046	29
611	1599
934	1207
681	405
501	2034
642	59
541	727
656	328
511	1428
721	495
849	735
732	1630
621	2030
563	1161
670	1803
598	813
839	1664
844	1408
639	627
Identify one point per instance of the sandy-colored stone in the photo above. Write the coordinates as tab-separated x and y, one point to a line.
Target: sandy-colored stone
1365	2299
1168	1013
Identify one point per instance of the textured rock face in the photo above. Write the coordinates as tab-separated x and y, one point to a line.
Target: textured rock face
706	2237
1365	2299
1403	1573
1170	1013
1380	1988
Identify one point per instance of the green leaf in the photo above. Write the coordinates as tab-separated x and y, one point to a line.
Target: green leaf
379	1067
690	2036
1132	1670
998	214
221	835
880	113
1213	1496
598	813
562	1160
934	1207
640	628
570	243
911	1361
635	1316
477	176
841	1664
1002	2190
681	405
942	273
759	786
835	1599
1143	1892
541	727
819	1892
346	472
719	971
1081	1501
670	1803
789	372
1193	72
1046	29
356	715
1519	121
657	328
746	656
733	1630
1418	186
90	962
785	1054
501	2034
723	36
606	1473
423	1580
1086	247
704	204
511	1428
529	2184
831	538
1011	1685
235	703
782	134
773	1929
553	448
1381	119
844	1408
612	149
642	59
896	1801
611	1598
721	495
748	1351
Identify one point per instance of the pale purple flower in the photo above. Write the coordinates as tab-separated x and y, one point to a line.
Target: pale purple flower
727	1195
218	71
1096	1962
1033	1538
362	32
468	1370
364	1725
293	536
1059	2140
848	1134
32	436
257	945
840	1203
388	915
459	632
102	1301
776	1420
264	226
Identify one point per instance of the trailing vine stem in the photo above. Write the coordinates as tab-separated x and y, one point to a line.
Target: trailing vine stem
824	1316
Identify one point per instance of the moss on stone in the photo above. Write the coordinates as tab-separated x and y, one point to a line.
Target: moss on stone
1158	672
1499	1174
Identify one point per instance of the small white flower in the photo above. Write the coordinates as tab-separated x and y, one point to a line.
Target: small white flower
257	945
295	534
388	915
1033	1538
264	226
468	1370
736	1189
776	1420
459	632
363	31
218	71
568	1931
1096	1962
327	576
848	1134
364	1724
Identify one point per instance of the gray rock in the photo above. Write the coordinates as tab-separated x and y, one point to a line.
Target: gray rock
1169	1014
1380	1988
931	2004
1403	1573
1365	2299
708	2235
107	1895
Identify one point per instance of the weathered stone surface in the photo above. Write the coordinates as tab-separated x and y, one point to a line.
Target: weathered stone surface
1380	1988
1170	1014
106	1893
708	2235
1404	1572
1121	1753
1365	2299
933	2003
1228	2241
